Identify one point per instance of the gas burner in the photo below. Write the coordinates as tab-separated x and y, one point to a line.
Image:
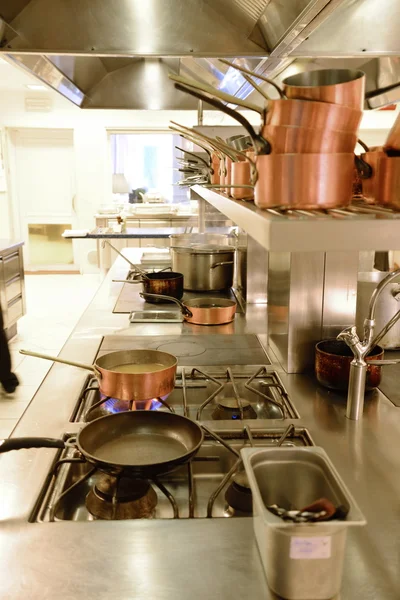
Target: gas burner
107	406
228	408
114	499
238	495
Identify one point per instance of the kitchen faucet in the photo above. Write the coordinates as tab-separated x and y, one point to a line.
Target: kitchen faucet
361	348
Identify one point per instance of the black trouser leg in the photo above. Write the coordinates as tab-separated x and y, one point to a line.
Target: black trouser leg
5	358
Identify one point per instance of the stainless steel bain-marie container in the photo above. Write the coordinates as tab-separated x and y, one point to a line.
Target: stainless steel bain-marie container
205	260
301	560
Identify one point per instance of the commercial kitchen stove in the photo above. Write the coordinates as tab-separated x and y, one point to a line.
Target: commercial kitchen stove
195	350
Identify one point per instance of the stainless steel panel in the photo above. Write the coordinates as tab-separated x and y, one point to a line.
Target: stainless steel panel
257	273
129	27
340	292
356	28
13	288
11	266
295	299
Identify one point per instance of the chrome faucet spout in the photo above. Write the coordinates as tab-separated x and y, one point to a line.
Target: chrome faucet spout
360	349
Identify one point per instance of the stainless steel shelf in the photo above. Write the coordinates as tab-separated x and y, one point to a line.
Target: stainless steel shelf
360	227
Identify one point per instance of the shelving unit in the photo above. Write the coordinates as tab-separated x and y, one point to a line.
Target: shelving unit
360	227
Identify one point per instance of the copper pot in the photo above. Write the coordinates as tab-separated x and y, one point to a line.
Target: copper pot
393	139
388	185
306	181
241	175
290	139
332	365
215	176
337	86
204	311
370	185
128	386
319	115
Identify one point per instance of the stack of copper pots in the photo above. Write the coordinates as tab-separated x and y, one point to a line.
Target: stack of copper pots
383	187
312	131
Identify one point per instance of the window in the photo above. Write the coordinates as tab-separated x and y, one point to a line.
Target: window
148	161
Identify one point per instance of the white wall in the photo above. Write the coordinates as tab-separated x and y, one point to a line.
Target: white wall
93	169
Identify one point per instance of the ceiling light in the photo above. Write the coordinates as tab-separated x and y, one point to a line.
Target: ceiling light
36	86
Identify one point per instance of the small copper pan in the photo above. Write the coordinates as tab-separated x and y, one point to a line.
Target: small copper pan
393	139
370	185
204	311
337	86
319	115
289	139
304	181
388	185
241	175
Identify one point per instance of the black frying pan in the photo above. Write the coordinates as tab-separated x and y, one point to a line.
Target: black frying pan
141	444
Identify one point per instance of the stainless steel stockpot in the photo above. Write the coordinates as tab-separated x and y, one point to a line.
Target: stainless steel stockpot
205	260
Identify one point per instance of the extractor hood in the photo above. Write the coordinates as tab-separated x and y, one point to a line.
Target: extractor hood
103	54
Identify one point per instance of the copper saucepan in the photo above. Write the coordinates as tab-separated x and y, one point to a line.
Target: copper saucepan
157	380
388	184
299	140
306	181
372	157
393	139
204	311
169	284
337	86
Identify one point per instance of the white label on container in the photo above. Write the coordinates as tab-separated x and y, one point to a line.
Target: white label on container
310	547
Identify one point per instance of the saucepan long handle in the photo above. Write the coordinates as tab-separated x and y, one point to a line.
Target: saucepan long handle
184	309
29	442
221	264
380	363
60	360
128	280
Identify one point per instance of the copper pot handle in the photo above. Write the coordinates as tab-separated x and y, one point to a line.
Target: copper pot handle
262	145
365	170
59	360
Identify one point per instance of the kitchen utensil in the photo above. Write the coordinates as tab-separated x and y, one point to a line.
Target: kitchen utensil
241	176
134	267
337	86
291	139
128	386
204	311
393	138
169	284
332	365
141	444
387	191
372	158
386	308
254	74
306	181
205	260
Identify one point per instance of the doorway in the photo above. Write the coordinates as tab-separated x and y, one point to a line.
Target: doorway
43	192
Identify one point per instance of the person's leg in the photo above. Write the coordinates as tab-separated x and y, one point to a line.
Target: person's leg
8	379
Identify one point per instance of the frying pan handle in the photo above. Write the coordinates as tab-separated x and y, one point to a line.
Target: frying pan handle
128	280
59	360
23	443
261	144
365	170
184	309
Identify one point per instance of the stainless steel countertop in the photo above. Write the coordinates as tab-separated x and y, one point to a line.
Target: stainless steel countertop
218	558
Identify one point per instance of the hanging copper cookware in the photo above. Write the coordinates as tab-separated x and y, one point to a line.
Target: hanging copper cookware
393	139
388	184
241	179
337	86
372	157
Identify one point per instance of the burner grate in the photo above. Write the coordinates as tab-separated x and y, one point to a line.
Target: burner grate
226	394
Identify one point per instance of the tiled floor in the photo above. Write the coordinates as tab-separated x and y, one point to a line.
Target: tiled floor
54	305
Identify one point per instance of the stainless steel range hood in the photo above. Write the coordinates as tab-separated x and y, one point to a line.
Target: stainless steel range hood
102	54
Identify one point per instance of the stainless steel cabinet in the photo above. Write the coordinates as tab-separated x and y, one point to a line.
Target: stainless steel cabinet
12	287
